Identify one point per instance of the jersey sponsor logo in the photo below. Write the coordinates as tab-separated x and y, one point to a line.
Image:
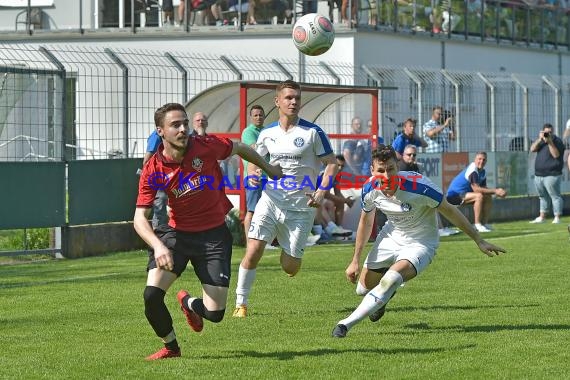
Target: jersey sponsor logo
197	164
299	142
284	156
406	206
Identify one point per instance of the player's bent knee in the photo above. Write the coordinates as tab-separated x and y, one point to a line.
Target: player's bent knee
153	296
391	280
361	290
214	316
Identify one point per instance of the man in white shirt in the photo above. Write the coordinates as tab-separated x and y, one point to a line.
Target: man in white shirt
286	209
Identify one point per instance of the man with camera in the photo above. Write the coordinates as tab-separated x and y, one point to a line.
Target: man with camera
548	166
438	131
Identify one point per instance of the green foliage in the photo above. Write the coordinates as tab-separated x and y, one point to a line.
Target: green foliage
32	238
235	225
467	316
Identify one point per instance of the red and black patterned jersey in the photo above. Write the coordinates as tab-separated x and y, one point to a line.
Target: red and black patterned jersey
195	186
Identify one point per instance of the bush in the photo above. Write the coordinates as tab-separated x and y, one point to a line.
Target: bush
235	225
36	238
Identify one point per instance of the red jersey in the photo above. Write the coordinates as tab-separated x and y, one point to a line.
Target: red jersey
194	186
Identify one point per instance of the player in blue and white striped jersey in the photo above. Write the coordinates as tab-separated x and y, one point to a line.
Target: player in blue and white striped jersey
407	243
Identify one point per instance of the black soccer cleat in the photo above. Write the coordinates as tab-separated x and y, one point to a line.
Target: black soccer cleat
339	331
375	317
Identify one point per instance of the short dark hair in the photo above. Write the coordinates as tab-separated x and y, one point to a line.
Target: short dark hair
340	157
256	107
547	126
383	153
287	84
160	113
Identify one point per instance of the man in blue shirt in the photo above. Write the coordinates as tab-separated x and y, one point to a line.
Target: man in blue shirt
159	211
470	186
407	137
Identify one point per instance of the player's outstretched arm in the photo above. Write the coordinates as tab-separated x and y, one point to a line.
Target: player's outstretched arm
365	225
247	153
453	214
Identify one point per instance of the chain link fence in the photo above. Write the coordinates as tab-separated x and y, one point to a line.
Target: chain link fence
70	103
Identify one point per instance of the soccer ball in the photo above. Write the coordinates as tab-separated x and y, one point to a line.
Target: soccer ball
313	34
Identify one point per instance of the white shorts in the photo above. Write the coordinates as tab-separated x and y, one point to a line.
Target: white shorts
291	227
386	252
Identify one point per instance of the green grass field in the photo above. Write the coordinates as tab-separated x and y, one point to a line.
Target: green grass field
466	316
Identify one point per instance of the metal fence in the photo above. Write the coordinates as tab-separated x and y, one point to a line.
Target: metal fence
70	103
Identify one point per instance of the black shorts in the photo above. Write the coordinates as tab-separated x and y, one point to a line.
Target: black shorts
455	200
209	252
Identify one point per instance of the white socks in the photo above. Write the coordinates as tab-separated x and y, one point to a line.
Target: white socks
244	283
375	299
361	290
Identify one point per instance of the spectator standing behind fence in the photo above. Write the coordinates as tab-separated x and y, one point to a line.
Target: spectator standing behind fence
354	151
368	150
406	137
199	124
249	137
159	206
470	186
548	166
436	133
353	12
197	232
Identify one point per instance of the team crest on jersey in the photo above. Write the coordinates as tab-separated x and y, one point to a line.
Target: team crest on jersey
406	207
299	142
197	164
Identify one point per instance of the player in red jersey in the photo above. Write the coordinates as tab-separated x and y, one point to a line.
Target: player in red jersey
186	168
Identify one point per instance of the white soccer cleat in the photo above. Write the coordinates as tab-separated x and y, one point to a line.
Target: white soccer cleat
338	231
481	228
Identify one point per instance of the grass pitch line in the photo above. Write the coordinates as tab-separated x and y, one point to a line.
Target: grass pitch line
519	236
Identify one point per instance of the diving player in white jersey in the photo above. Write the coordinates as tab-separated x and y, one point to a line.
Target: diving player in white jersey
406	244
286	209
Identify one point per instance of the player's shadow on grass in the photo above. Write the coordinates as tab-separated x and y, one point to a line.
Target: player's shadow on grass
407	309
486	328
290	355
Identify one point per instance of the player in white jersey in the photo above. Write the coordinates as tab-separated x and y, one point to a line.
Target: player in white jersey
286	209
406	244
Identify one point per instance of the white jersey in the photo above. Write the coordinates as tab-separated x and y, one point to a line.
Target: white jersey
410	211
298	151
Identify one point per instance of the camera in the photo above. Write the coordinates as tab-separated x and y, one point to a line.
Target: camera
446	114
546	135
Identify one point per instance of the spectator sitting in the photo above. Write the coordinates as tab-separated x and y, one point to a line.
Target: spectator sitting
331	212
278	7
408	161
470	186
232	6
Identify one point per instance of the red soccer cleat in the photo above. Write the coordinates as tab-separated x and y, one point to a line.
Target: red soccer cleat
194	320
164	353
